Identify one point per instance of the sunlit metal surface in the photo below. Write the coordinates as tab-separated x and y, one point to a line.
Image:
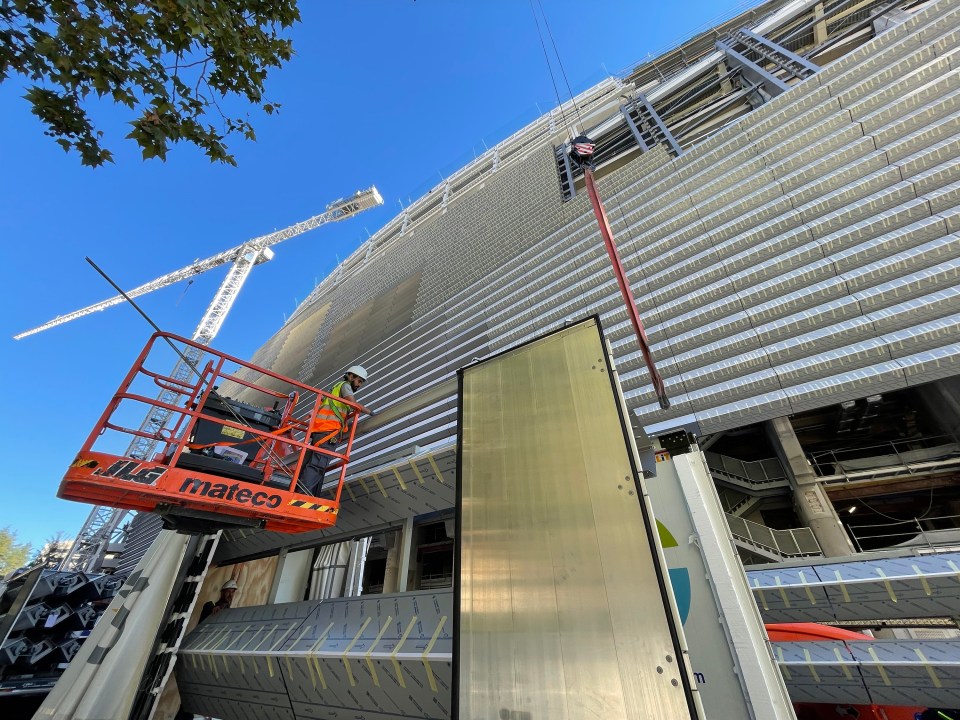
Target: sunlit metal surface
562	613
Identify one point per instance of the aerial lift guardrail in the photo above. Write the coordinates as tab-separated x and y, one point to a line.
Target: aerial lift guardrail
220	462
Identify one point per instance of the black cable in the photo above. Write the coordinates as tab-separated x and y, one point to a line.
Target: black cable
560	63
190	363
546	57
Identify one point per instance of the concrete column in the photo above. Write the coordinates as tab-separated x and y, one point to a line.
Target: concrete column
811	501
405	544
391	574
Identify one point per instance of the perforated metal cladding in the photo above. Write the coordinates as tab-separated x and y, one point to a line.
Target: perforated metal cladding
284	354
806	253
345	342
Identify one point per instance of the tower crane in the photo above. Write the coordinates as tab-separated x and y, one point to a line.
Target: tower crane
102	523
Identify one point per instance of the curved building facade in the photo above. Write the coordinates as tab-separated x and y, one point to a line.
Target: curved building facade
785	200
785	195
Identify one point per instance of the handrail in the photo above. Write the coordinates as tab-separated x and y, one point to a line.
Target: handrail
913	533
790	543
752	472
919	455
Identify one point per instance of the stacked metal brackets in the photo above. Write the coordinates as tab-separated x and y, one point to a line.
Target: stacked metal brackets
44	617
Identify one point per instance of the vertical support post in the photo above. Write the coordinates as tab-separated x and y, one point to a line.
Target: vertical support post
405	540
814	507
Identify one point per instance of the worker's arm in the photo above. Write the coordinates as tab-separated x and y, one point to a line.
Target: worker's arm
346	392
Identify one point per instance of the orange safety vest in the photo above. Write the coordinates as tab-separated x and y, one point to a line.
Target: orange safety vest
332	415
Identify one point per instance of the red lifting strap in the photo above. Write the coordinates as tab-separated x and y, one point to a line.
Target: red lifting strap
625	290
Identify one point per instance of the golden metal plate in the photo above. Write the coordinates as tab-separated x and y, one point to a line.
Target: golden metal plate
561	611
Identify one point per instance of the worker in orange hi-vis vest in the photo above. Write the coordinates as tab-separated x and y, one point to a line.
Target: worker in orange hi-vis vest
329	427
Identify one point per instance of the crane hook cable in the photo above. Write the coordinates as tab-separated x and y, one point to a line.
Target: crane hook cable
190	363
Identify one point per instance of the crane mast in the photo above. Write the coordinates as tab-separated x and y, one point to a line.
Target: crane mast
103	523
337	210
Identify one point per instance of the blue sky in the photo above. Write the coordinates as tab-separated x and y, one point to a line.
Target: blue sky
397	93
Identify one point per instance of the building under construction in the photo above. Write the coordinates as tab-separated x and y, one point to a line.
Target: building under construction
785	196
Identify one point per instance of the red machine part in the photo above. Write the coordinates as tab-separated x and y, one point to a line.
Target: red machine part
259	492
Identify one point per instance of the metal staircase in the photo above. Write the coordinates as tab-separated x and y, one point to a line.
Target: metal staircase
774	545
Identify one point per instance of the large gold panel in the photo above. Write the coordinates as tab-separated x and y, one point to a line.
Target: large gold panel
562	609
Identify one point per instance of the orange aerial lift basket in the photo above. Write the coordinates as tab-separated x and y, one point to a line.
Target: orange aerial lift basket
203	460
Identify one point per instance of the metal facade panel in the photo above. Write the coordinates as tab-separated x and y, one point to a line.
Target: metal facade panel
821	672
910	587
712	242
561	598
884	672
374	656
382	496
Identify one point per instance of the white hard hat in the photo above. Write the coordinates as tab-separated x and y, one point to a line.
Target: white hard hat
229	585
358	370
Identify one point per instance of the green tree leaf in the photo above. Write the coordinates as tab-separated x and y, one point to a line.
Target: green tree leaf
13	555
172	62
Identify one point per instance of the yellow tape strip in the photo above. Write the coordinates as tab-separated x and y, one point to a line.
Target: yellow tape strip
393	655
399	477
783	668
349	491
930	671
416	471
923	580
213	666
243	670
270	665
363	485
193	660
266	637
953	566
280	642
251	639
887	585
296	642
783	593
316	666
810	597
348	648
226	667
880	668
843	587
813	670
843	664
239	636
211	639
373	670
759	591
376	479
436	470
426	663
289	666
321	639
219	638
